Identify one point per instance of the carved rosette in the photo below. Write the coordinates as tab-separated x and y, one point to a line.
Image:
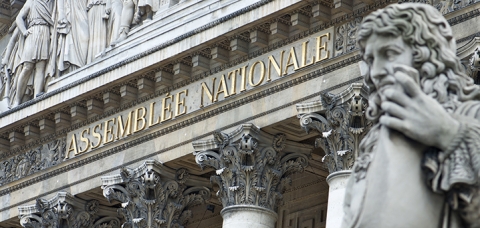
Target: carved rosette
153	195
251	167
342	124
64	210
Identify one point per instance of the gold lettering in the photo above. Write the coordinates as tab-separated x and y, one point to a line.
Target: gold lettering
97	135
108	130
140	118
304	55
150	116
124	130
291	61
179	103
166	108
222	88
321	47
232	75
208	92
272	62
72	147
85	140
252	74
244	78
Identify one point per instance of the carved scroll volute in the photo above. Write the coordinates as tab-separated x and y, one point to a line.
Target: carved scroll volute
153	195
342	125
251	168
65	210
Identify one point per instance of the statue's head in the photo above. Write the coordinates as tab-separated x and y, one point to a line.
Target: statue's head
413	35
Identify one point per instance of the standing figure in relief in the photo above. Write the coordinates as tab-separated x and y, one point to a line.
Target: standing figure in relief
426	117
34	22
132	13
113	14
73	34
11	67
97	27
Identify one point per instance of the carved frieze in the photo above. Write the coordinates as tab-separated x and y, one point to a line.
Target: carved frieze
32	161
345	40
341	125
251	167
65	210
153	195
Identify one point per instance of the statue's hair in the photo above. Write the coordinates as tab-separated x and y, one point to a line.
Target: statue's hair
434	53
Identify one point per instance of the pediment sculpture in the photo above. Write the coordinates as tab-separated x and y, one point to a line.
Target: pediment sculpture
51	38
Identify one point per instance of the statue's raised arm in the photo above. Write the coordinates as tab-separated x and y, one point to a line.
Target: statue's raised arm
426	112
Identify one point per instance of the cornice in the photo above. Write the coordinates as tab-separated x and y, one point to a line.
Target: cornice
186	123
237	61
194	78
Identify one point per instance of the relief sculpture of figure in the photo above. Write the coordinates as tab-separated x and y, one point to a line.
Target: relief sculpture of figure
73	34
419	165
11	67
132	13
34	22
97	27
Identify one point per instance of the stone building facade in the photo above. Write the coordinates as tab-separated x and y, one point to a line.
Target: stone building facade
214	113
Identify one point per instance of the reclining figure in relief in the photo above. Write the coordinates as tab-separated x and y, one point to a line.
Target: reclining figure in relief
419	165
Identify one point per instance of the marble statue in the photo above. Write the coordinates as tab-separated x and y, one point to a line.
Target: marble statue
34	23
419	165
11	65
73	34
132	13
97	27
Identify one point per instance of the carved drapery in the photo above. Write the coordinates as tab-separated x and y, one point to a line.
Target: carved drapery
153	195
64	211
251	167
341	125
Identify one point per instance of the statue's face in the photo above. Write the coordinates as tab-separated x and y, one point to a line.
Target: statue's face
384	54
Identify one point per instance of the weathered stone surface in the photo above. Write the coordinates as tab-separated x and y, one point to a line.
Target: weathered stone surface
65	210
342	124
434	144
153	195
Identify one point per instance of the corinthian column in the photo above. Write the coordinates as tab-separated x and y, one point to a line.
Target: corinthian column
65	210
251	171
154	195
340	121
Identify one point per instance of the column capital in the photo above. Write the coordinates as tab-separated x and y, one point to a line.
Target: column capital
65	210
154	195
340	120
251	166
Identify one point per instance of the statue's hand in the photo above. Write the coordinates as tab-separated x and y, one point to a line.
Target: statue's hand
417	115
27	32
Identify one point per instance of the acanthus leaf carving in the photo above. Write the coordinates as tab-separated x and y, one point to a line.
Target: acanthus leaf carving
64	210
153	195
250	169
342	125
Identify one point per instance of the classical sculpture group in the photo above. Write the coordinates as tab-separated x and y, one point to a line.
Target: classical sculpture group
50	38
419	165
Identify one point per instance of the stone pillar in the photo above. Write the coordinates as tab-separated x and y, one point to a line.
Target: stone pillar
154	195
340	121
252	169
337	183
65	210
